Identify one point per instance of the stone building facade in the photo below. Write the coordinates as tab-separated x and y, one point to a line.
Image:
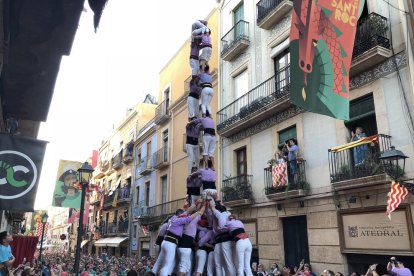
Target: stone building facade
313	218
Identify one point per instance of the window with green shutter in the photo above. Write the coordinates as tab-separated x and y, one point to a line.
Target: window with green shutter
287	134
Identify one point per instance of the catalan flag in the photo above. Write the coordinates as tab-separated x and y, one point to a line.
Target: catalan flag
395	197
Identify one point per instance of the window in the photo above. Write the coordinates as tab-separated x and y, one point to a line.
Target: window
281	63
241	161
241	84
286	134
362	114
135	230
164	189
238	14
147	193
167	100
164	156
149	154
137	195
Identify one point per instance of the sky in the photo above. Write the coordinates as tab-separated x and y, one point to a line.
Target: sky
108	72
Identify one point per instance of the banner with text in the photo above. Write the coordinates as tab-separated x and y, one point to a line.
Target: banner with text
321	43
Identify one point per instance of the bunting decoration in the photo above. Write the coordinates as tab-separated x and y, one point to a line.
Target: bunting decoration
321	44
395	197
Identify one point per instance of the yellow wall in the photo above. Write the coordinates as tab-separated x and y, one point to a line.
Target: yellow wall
173	75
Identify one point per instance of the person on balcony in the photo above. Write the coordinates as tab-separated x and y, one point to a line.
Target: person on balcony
209	138
193	98
293	149
205	251
207	91
171	239
186	243
194	184
359	151
193	130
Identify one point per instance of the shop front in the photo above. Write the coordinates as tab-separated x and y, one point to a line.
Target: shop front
369	237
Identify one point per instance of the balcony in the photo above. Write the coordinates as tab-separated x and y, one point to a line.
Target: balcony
161	158
235	41
104	166
158	213
261	102
139	210
357	164
123	197
95	198
162	113
128	153
269	12
145	167
237	191
372	43
116	161
296	182
116	228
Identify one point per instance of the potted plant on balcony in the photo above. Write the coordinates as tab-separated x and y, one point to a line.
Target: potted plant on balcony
229	193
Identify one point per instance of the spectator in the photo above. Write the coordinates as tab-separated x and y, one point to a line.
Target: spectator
397	268
359	151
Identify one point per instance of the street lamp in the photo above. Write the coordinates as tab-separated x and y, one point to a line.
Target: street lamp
393	162
85	176
44	221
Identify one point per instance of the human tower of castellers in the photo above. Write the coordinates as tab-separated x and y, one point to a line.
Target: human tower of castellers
203	235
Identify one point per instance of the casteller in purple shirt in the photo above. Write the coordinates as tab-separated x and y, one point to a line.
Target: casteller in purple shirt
176	224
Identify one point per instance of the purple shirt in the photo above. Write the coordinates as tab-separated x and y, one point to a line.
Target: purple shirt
207	175
195	88
163	230
205	236
205	40
176	224
222	218
194	50
205	78
401	271
206	122
193	129
191	228
233	224
194	181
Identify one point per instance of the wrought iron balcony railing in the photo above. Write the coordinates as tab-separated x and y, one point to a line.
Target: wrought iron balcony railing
295	177
157	213
238	33
237	188
372	31
355	161
161	158
162	112
146	165
116	161
128	153
123	196
271	90
117	228
265	8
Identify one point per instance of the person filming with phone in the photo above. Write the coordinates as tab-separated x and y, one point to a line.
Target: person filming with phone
397	268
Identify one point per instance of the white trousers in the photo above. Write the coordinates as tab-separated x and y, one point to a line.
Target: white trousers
193	152
168	258
201	258
227	251
195	66
159	261
218	260
206	54
184	255
192	107
209	145
243	255
206	96
210	264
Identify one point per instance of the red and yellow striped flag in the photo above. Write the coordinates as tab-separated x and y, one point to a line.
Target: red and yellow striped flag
395	197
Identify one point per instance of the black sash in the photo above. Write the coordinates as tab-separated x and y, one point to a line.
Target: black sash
191	140
195	191
210	131
186	241
194	95
209	185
